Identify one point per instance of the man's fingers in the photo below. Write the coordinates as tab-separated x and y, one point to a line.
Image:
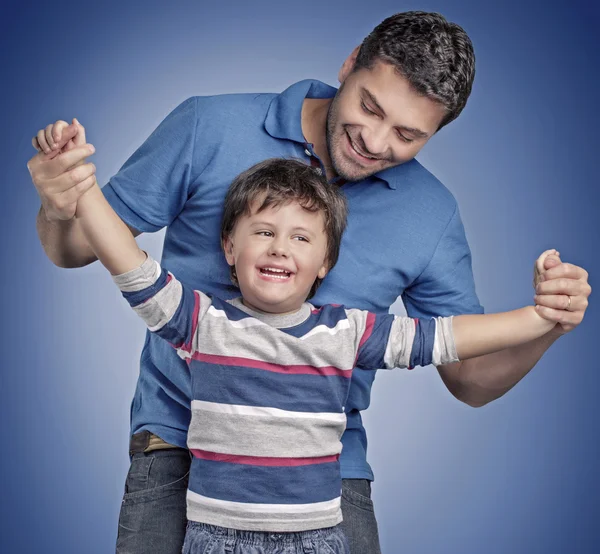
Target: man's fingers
72	195
72	157
43	169
572	287
561	302
64	182
567	319
566	270
81	173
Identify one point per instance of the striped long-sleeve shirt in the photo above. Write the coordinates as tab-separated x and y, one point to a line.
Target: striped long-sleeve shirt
268	396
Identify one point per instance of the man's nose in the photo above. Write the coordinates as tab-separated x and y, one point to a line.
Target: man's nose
375	140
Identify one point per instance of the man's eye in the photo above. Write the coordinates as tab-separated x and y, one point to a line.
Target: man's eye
404	138
366	109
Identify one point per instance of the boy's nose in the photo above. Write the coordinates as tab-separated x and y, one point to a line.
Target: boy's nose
278	248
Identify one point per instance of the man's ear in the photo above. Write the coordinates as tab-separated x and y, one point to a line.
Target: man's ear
348	65
228	250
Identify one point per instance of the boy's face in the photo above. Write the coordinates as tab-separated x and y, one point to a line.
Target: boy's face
377	121
278	253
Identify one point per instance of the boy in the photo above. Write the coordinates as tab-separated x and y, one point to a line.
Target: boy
269	372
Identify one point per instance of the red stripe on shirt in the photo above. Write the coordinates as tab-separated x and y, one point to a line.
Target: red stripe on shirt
262	461
276	368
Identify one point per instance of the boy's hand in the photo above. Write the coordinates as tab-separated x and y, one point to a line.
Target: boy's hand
61	176
56	138
562	291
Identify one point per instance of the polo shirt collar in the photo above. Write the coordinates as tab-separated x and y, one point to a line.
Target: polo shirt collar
284	117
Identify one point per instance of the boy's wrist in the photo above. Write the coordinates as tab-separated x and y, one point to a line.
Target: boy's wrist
86	198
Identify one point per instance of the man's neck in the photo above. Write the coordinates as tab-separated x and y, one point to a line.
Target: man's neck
314	128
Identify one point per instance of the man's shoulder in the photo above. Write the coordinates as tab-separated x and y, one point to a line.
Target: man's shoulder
420	194
412	175
228	105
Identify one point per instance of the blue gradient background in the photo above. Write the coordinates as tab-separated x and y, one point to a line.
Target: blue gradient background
519	475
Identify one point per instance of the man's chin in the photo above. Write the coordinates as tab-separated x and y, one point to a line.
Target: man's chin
351	172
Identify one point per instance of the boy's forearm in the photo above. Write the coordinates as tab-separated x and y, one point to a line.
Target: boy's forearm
107	235
480	334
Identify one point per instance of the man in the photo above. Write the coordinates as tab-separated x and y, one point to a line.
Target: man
411	76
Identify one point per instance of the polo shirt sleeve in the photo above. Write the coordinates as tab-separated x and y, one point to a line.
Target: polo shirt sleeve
169	309
151	189
446	286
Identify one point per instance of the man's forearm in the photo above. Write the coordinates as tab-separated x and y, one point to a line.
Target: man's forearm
63	242
480	380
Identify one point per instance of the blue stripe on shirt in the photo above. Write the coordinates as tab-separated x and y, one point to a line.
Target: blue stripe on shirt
422	348
140	296
265	485
248	386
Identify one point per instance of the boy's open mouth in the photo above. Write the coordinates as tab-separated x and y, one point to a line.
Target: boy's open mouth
275	273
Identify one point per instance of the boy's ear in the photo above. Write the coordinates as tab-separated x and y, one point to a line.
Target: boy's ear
323	271
228	250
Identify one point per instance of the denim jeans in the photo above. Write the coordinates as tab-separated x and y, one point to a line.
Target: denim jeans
152	519
359	525
203	539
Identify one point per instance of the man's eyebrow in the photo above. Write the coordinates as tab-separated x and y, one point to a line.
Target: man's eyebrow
373	101
412	130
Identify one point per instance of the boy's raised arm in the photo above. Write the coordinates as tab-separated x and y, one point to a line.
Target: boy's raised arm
110	239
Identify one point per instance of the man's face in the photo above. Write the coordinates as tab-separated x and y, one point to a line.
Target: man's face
377	121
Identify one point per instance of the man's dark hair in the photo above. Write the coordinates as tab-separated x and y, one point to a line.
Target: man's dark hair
436	57
276	182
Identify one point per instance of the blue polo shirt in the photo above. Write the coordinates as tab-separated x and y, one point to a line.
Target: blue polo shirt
404	237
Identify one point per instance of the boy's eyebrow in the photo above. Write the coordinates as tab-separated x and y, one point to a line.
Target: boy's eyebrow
261	223
412	130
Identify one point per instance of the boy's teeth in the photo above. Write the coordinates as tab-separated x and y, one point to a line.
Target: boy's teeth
275	272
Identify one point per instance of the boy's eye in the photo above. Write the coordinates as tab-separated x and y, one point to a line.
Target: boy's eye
366	109
264	233
301	238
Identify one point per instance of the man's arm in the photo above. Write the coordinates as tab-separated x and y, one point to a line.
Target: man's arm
64	241
61	177
480	380
447	287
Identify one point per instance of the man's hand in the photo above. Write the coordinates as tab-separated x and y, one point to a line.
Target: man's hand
562	291
58	170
